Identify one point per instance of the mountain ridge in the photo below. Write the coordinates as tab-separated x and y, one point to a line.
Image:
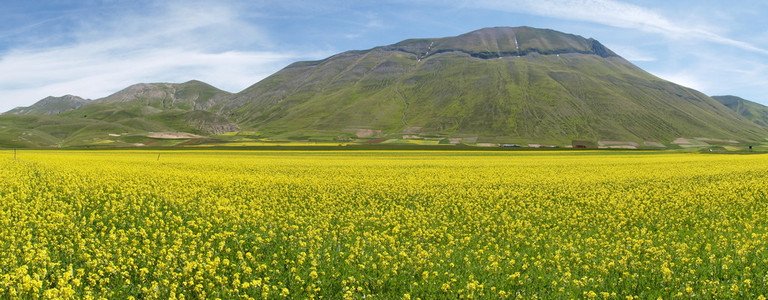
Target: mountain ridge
493	85
51	105
753	111
488	39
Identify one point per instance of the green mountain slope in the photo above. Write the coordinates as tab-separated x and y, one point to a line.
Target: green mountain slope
752	111
504	84
44	130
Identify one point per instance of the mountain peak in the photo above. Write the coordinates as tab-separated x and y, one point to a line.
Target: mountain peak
495	42
51	106
193	94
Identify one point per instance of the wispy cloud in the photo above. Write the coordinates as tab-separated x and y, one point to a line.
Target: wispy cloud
616	14
95	73
741	75
633	54
369	21
203	41
684	78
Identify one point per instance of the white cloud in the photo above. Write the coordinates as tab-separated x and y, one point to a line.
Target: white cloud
632	53
685	79
616	14
169	45
27	77
370	21
708	71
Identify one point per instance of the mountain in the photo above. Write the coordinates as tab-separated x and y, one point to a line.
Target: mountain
752	111
125	118
191	95
494	85
51	106
498	84
188	107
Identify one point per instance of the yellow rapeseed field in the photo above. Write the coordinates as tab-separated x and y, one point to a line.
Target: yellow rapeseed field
382	225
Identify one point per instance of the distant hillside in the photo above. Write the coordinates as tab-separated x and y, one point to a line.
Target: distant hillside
188	107
121	119
752	111
191	95
51	106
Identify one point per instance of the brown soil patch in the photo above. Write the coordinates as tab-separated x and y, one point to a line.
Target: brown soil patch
412	130
172	135
654	144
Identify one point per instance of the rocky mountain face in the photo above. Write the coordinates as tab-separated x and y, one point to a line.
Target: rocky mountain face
521	85
498	42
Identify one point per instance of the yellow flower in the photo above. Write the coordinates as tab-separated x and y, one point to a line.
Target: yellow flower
111	224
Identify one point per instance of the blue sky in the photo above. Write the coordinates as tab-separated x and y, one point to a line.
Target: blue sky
92	48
